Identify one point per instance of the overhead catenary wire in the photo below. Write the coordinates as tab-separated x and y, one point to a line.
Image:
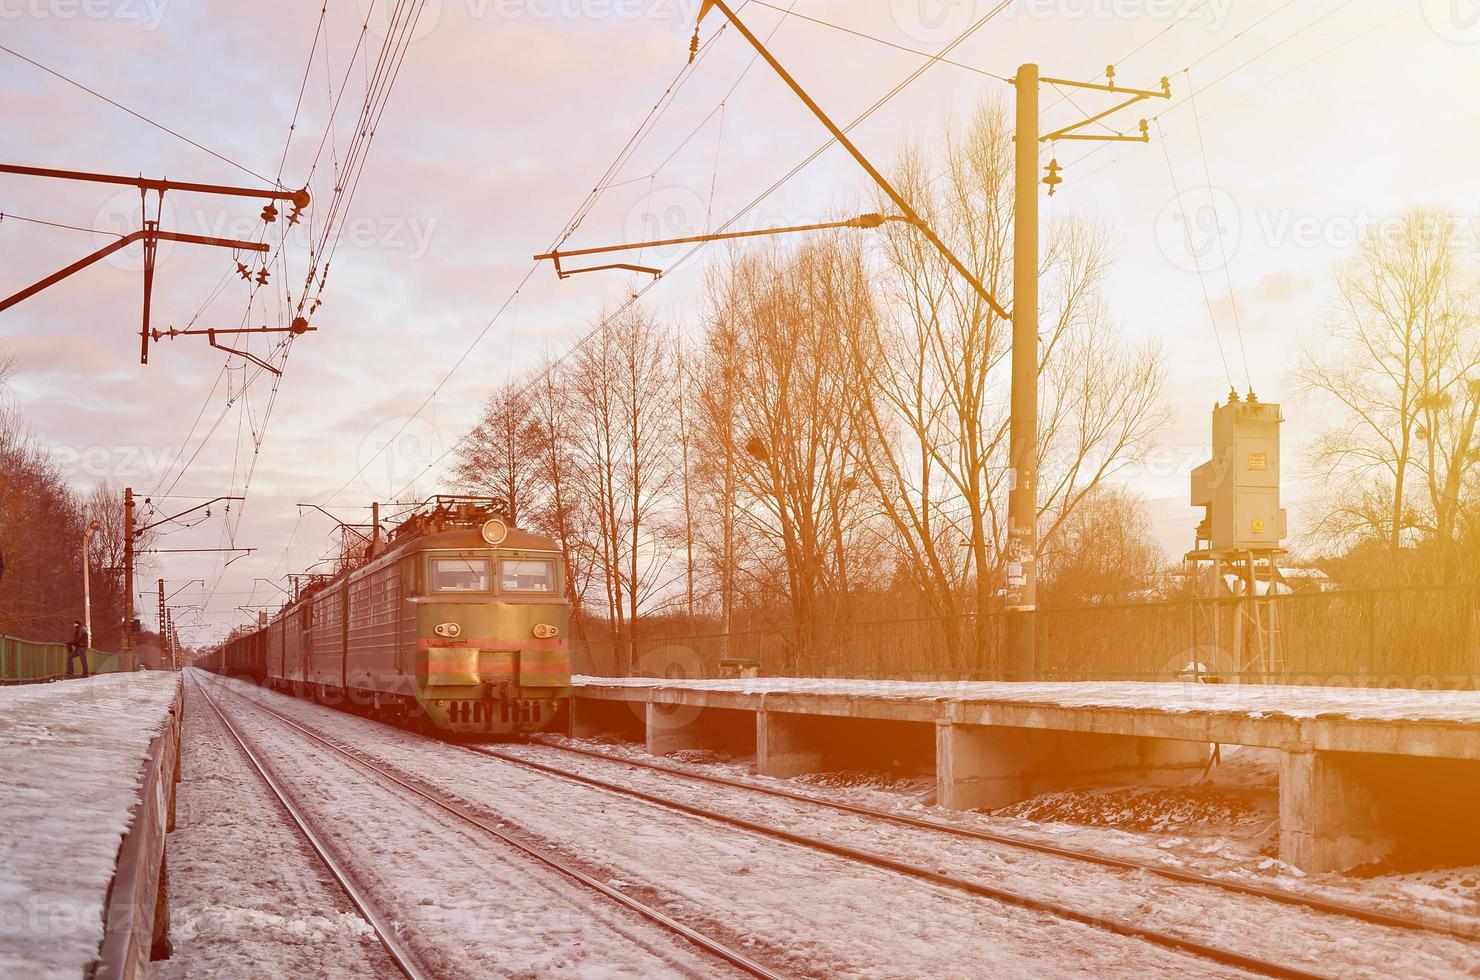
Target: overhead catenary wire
377	94
136	114
1221	78
1222	240
1193	252
636	297
569	228
879	40
56	224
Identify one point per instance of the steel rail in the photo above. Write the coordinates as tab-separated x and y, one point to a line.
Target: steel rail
384	931
1315	903
1120	927
703	942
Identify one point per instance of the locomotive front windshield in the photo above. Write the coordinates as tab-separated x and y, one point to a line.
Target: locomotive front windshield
527	574
460	574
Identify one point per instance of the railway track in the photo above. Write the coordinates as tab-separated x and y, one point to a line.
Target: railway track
384	931
1004	895
1216	954
1224	957
1315	903
707	944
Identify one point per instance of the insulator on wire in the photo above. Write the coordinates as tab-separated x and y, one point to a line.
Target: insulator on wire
243	271
1053	180
269	213
295	215
694	44
262	276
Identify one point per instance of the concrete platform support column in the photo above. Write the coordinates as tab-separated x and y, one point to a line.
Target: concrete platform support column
1341	810
673	728
786	744
1329	820
986	766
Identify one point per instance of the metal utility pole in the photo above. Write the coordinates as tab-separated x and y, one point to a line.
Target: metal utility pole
128	571
130	533
1020	662
163	613
87	536
1021	659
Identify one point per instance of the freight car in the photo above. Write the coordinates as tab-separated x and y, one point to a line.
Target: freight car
458	624
242	656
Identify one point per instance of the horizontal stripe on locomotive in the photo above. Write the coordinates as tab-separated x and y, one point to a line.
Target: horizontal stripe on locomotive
502	666
491	645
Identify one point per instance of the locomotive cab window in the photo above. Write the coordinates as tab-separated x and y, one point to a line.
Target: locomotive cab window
527	575
460	574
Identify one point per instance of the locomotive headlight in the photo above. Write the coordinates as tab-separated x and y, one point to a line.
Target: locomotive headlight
544	631
494	531
449	630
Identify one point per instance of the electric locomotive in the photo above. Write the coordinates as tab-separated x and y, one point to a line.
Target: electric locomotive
458	624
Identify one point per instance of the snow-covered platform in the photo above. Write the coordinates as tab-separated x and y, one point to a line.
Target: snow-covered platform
1364	770
87	772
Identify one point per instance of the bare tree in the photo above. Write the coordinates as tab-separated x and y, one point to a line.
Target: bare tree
622	445
776	394
494	458
1104	551
932	378
561	511
1400	367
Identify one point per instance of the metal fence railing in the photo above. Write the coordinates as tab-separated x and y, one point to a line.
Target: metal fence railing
30	661
1400	636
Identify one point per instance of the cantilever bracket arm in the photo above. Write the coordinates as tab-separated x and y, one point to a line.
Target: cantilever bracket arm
862	221
139	532
1070	132
245	354
1165	92
299	198
122	243
299	326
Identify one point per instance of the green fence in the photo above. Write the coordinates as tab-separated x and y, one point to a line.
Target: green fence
29	662
1410	636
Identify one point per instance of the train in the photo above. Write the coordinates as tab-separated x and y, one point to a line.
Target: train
457	626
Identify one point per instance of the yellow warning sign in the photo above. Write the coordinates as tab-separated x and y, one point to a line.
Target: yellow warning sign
1258	525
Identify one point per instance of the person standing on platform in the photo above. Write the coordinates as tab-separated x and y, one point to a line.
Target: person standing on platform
77	647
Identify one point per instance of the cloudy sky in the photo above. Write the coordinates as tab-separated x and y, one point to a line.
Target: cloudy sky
1316	119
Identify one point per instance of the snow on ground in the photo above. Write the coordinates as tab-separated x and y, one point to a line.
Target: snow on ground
1286	934
1258	700
1227	828
466	904
805	912
71	760
248	897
